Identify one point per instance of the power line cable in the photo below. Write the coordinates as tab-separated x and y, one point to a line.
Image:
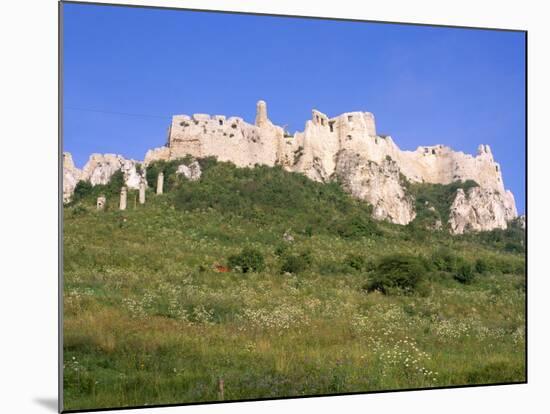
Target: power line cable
117	113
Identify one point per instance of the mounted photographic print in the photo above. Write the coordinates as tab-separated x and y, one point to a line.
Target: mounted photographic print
261	206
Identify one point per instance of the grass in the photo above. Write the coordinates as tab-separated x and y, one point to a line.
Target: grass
149	320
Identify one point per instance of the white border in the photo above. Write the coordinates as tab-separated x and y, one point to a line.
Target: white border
28	207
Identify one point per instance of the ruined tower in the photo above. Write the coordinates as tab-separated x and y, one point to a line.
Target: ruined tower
261	114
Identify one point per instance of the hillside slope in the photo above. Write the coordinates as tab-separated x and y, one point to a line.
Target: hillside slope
158	308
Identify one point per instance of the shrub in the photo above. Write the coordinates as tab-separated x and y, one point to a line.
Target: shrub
464	273
293	264
444	259
484	265
281	250
433	201
116	182
78	210
511	239
334	268
510	265
85	191
248	260
82	190
396	272
355	261
514	247
357	226
169	168
296	263
308	230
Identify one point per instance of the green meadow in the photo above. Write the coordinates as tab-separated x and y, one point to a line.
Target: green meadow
277	286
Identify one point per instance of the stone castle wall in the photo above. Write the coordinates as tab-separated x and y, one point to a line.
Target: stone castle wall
314	151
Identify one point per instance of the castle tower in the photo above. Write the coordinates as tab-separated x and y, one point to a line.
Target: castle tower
261	114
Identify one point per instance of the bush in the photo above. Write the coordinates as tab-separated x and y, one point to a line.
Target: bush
83	189
511	240
78	210
514	247
484	265
296	263
436	196
506	264
308	231
249	260
329	267
116	182
357	226
355	261
465	273
396	272
444	259
281	250
169	168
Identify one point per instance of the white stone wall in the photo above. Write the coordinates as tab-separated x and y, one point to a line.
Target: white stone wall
228	139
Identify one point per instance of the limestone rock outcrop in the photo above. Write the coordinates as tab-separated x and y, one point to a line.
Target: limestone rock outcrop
378	184
481	209
192	171
100	168
522	222
71	177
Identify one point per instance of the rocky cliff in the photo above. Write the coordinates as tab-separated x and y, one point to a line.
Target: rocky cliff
481	209
346	148
377	183
98	170
71	176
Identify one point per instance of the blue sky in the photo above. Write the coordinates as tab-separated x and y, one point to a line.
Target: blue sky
127	70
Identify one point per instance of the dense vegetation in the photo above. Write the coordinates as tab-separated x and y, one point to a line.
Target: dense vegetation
433	201
279	286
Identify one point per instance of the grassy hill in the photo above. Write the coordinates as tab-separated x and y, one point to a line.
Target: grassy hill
151	316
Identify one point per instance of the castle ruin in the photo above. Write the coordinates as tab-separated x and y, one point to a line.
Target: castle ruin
346	147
